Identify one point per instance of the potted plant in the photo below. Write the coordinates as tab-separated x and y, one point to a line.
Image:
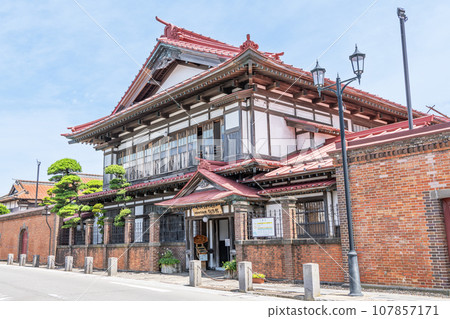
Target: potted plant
258	278
230	269
168	263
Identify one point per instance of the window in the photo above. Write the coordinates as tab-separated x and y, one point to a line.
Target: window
311	219
171	228
273	210
64	236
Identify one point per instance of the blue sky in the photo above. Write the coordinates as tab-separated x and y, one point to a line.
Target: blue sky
59	69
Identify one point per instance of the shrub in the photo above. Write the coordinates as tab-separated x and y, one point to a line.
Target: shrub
168	259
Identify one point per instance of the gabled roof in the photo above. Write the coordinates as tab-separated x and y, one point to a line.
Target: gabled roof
224	187
26	190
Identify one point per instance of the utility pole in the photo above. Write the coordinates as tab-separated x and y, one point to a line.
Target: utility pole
37	183
403	18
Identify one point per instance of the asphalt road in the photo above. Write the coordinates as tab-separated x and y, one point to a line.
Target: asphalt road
27	283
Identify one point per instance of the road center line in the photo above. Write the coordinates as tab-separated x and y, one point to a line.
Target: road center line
142	287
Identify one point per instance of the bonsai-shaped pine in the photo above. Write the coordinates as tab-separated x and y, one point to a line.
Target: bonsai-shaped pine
4	210
65	189
119	182
92	186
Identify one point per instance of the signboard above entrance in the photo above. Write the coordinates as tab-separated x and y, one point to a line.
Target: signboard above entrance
208	210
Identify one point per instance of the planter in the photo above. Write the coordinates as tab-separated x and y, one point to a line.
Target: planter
258	280
230	274
169	269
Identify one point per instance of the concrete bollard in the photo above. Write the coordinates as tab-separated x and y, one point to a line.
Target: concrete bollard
51	262
195	273
311	280
10	259
245	276
88	265
68	263
112	266
36	260
22	259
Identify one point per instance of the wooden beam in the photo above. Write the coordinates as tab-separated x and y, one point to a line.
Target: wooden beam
274	86
126	129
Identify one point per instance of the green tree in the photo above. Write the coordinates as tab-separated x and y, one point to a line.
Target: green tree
92	186
66	188
119	182
4	210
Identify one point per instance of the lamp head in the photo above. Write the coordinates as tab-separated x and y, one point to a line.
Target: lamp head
357	59
318	74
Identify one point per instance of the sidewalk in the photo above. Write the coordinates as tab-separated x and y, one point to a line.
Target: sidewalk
285	290
214	280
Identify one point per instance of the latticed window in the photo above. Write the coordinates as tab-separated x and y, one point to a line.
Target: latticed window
141	229
64	234
172	228
311	219
117	234
270	211
79	236
97	235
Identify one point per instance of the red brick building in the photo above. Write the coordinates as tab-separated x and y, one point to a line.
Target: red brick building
234	145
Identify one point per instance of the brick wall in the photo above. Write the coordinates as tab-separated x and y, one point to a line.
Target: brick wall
276	258
398	227
34	223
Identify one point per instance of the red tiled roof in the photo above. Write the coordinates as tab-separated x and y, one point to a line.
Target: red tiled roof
203	197
23	189
249	162
232	188
320	127
297	187
140	186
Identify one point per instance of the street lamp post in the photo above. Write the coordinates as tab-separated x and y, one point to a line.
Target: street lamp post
46	212
318	73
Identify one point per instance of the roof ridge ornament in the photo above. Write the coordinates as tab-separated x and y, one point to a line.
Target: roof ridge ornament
170	31
249	44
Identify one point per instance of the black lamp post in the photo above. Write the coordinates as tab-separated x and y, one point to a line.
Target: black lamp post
318	73
46	212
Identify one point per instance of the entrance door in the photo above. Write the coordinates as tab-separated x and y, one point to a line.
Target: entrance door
224	240
23	242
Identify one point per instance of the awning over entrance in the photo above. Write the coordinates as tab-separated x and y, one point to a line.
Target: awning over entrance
198	198
223	188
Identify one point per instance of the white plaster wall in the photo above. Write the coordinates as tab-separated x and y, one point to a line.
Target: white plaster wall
282	137
179	74
261	133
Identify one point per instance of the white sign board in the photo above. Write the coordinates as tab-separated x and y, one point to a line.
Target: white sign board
227	242
263	227
203	257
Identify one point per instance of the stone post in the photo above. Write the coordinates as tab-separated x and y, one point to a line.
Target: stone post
22	259
89	233
68	263
36	260
88	265
195	273
240	227
311	281
129	229
112	266
10	259
107	228
245	276
51	262
154	240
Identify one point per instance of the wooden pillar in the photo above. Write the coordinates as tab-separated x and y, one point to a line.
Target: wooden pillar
107	229
89	233
129	229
